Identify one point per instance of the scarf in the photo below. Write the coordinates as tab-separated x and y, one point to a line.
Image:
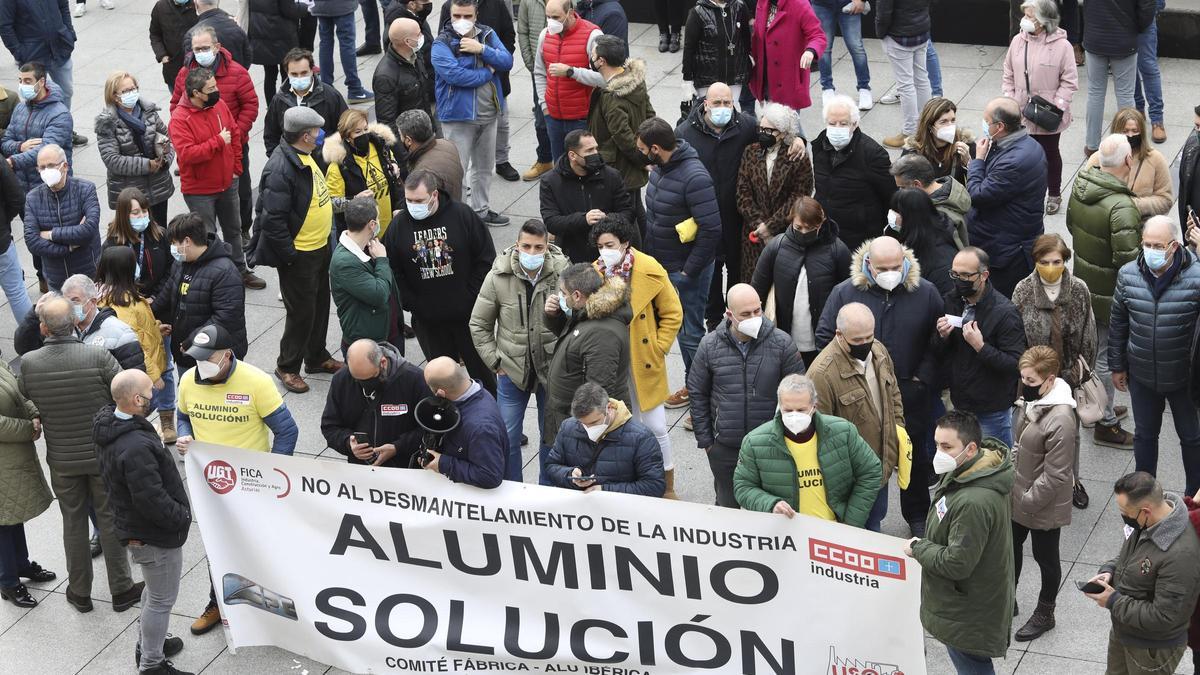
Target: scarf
623	270
137	126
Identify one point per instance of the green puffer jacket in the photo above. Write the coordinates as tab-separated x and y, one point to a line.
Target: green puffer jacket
1106	229
23	490
967	555
505	319
361	292
766	472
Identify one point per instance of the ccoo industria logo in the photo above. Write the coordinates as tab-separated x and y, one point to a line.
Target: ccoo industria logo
864	568
220	476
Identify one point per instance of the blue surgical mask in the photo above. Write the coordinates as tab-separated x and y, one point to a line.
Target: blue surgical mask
26	91
300	83
205	58
182	2
1155	259
987	129
562	304
176	254
77	311
130	99
139	224
721	116
839	137
531	261
418	210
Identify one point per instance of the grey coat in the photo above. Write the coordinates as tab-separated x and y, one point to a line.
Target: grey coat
69	383
1044	458
127	165
1067	324
733	394
23	490
1151	338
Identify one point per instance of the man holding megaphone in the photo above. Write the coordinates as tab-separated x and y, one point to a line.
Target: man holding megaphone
472	451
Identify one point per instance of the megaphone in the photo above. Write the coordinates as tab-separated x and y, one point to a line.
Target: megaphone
438	416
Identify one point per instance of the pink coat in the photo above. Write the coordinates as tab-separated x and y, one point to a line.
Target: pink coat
778	49
1051	73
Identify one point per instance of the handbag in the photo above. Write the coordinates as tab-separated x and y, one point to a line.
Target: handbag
1038	110
1090	397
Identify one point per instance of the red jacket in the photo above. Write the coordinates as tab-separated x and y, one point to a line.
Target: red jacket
207	164
567	99
1194	628
235	85
774	50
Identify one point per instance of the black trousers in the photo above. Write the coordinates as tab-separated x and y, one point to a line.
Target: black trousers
271	74
246	196
1005	279
305	288
670	14
453	339
1045	553
914	501
722	460
308	33
158	212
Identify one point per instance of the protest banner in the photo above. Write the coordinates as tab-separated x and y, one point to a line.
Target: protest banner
398	571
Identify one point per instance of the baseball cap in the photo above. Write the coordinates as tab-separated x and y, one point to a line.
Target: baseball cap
208	341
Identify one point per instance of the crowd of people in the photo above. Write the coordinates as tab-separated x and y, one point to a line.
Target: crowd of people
843	318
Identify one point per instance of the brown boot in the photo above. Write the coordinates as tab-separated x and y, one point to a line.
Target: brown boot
1113	437
210	619
1039	622
166	426
670	493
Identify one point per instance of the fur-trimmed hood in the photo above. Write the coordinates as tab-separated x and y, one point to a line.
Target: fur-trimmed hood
862	280
605	302
623	84
335	150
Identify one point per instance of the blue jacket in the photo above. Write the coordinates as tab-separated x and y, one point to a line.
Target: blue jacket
607	14
47	119
475	452
1150	338
678	190
37	30
458	75
72	215
626	459
1008	192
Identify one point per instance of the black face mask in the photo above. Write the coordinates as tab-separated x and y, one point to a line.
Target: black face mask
806	238
1133	522
594	163
1030	392
425	11
652	160
362	145
766	140
860	352
964	287
212	99
1135	142
146	407
370	385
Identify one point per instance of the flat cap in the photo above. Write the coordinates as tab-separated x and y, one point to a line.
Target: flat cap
299	118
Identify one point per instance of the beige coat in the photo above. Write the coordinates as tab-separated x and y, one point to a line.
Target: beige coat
1150	180
1044	457
842	391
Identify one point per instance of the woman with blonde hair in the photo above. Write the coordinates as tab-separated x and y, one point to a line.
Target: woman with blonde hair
361	163
1150	175
134	145
939	139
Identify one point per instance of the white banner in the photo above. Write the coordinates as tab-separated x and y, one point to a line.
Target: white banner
397	571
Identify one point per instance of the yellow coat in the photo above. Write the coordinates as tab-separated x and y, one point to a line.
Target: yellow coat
139	317
657	316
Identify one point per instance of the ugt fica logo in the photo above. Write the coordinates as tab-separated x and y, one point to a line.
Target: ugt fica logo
839	666
220	476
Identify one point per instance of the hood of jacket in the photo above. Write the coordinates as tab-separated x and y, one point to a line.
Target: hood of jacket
563	167
991	469
1059	394
508	262
952	194
394	358
216	249
1043	37
683	152
862	279
107	427
334	151
623	415
634	76
53	95
605	302
1093	185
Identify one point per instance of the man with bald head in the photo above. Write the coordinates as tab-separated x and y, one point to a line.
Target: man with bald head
856	380
1007	184
403	80
732	383
562	71
149	507
1154	312
369	411
886	278
62	219
474	452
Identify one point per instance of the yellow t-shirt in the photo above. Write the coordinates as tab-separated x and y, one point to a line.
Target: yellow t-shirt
372	169
314	233
812	483
231	412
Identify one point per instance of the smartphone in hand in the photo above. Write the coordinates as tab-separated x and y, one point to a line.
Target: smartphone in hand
1089	587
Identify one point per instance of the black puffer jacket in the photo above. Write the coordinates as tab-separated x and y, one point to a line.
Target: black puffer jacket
326	100
733	393
566	197
205	291
12	204
1189	164
156	262
983	381
401	86
284	195
229	34
145	491
1152	333
127	162
1111	27
853	185
386	416
706	38
827	262
273	29
935	249
722	154
902	18
169	22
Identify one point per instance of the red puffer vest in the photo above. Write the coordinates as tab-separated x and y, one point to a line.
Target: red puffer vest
567	99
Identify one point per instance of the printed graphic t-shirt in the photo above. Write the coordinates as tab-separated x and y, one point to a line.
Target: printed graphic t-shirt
231	412
314	233
812	482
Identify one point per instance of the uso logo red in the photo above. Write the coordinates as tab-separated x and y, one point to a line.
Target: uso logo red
856	559
220	476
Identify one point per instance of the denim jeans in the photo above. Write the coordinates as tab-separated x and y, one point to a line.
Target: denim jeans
933	65
12	279
1148	74
513	403
912	79
1102	372
161	570
850	25
1148	407
63	76
997	424
1124	74
344	27
163	399
539	125
969	664
878	510
557	130
693	295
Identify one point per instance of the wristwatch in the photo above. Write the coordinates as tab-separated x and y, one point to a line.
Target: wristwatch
571	71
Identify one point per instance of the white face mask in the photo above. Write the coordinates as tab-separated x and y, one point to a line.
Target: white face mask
947	133
888	280
944	462
554	26
50	176
796	422
595	431
611	257
420	43
207	369
462	26
1028	25
750	327
893	219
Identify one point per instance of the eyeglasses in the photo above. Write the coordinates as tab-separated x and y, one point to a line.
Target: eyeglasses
969	276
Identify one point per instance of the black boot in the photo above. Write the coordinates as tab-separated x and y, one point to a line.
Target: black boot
1039	622
664	41
19	596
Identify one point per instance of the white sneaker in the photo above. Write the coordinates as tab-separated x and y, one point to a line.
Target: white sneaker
889	99
827	95
80	10
864	99
107	4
